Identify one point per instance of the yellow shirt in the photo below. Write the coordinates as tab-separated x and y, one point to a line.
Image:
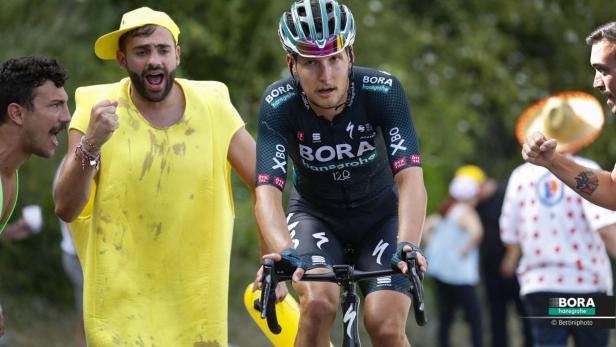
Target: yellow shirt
156	249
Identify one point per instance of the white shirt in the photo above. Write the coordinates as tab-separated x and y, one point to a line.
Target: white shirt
556	230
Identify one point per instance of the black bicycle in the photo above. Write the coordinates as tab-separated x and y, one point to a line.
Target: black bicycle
346	277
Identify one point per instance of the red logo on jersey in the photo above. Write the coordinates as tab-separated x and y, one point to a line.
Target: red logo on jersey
415	159
263	178
399	164
279	182
300	136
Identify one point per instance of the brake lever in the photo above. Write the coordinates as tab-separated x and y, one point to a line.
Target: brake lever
416	278
268	297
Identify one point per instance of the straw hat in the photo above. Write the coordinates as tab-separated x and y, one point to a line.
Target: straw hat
574	119
107	45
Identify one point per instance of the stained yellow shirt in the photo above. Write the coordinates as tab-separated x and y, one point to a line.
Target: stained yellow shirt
156	248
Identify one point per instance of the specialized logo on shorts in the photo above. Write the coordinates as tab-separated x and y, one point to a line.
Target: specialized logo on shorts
377	84
279	95
322	239
378	251
415	159
263	178
383	281
550	190
318	260
291	228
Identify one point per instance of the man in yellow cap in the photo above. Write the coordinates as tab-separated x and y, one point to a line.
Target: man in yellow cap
596	185
153	153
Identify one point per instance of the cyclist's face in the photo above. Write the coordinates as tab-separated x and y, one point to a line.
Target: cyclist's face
151	62
324	80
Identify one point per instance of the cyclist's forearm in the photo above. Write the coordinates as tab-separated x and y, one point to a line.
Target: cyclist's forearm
274	235
411	205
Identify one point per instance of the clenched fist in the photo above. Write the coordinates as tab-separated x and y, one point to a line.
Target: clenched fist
538	149
103	122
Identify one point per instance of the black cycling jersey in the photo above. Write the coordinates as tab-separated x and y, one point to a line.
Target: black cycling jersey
342	163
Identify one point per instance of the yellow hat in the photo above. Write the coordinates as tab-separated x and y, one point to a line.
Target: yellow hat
471	171
107	45
574	119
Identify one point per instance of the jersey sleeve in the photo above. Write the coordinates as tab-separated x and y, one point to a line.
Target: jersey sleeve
272	144
396	123
510	214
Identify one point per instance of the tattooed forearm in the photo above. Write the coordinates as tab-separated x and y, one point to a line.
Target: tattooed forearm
586	182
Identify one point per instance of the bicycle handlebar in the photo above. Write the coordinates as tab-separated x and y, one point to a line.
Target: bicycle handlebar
341	274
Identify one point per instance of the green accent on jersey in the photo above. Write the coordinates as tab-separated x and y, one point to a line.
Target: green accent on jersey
2	225
281	99
375	88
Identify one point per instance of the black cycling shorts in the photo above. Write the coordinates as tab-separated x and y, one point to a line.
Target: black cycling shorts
365	236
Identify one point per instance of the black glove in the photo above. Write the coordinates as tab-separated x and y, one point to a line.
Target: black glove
289	262
400	256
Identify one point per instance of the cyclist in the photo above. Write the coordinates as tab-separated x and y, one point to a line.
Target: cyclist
350	135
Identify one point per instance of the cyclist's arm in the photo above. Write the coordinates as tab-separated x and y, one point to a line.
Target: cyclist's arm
72	190
271	176
596	185
412	201
271	220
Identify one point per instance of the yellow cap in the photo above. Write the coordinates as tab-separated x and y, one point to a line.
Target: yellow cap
473	172
107	45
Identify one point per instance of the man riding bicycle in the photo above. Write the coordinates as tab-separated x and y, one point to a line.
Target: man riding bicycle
350	135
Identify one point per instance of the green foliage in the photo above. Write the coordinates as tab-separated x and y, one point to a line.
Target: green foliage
469	69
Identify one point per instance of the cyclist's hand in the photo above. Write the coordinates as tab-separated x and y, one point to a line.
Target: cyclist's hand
538	149
281	291
398	260
281	288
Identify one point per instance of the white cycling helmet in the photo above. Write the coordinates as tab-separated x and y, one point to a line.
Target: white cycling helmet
316	28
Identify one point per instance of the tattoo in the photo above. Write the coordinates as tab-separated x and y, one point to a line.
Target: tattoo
586	182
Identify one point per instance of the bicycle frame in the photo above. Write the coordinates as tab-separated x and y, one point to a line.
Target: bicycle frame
346	277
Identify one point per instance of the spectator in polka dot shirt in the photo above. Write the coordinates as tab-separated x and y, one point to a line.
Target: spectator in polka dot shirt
557	236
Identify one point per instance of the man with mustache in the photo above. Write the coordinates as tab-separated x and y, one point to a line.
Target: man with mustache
359	195
595	185
33	111
153	153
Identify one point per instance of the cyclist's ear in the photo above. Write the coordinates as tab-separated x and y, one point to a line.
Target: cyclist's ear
291	64
351	55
